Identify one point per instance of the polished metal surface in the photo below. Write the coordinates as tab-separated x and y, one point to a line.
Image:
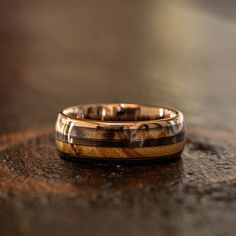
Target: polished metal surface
120	131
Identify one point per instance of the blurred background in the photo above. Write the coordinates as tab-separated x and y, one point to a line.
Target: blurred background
59	53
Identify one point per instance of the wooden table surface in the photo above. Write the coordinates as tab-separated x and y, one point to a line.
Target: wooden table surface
55	54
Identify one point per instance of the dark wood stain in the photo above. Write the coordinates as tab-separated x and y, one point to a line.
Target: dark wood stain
123	143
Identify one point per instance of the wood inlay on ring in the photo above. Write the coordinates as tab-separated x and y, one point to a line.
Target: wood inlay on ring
115	152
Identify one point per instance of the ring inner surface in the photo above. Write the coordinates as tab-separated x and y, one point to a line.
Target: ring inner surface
119	112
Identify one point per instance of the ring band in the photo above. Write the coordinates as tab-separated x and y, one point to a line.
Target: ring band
120	131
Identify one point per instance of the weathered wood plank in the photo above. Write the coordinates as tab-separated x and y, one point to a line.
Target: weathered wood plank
171	197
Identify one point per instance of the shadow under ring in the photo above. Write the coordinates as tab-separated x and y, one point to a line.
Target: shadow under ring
120	132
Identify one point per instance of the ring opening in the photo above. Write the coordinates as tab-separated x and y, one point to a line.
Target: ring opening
119	112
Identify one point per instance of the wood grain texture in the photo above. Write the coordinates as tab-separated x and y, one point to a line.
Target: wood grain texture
48	190
124	153
55	54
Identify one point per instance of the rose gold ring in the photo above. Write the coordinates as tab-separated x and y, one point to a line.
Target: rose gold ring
120	132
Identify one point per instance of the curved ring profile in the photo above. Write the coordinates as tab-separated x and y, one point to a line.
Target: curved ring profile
120	131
